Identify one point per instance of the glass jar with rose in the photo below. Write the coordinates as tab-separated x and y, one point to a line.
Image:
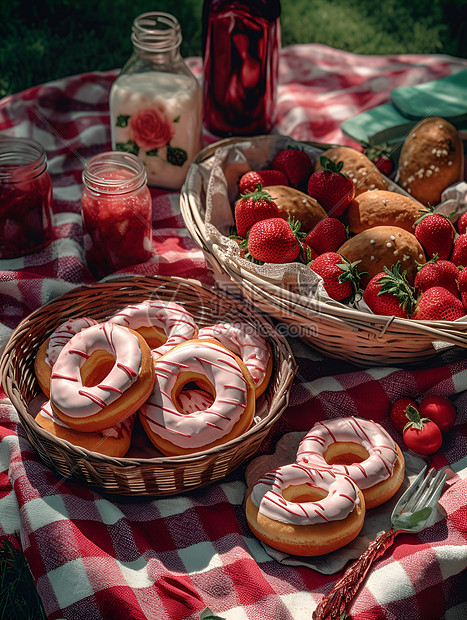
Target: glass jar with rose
156	102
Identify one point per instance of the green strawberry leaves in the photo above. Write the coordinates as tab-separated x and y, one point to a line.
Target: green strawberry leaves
395	283
331	166
259	194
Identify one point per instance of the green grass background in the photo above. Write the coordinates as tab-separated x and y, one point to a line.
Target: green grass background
49	39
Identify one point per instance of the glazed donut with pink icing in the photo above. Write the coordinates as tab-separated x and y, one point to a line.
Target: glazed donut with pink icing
304	511
48	351
101	377
246	342
214	369
163	324
113	441
358	448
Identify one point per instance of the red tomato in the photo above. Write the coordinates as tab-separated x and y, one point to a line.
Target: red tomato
440	410
424	440
398	412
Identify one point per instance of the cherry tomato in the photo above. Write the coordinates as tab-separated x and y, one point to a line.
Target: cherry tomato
424	440
398	412
440	410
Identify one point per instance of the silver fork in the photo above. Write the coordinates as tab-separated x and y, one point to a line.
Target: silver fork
410	514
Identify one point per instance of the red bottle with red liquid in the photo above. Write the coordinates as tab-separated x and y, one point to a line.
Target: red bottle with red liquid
25	198
241	42
116	207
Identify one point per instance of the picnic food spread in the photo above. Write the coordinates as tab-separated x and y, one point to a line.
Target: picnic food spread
172	557
191	388
352	226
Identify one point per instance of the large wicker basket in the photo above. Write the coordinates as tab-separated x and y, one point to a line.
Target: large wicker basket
334	329
158	475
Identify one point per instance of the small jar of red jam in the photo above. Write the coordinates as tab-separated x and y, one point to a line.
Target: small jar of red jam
25	197
116	207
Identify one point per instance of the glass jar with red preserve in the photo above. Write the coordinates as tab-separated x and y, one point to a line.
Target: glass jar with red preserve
241	42
25	197
116	208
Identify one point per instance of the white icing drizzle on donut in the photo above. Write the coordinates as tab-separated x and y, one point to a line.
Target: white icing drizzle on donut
188	430
47	412
246	342
67	391
62	335
177	323
341	498
372	436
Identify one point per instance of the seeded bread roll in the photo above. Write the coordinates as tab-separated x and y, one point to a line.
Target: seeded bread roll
384	246
432	159
294	203
383	208
361	170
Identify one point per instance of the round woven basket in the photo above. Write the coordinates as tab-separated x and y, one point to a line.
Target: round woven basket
138	476
334	329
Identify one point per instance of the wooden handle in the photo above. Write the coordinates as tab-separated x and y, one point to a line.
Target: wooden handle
333	606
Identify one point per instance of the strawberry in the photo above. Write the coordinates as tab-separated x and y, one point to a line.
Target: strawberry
332	189
253	207
462	224
388	293
438	304
250	180
436	272
398	413
462	283
295	164
459	251
340	276
435	233
380	155
327	236
274	240
384	164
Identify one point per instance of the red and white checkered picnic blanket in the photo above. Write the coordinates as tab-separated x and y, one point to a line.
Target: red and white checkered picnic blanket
168	559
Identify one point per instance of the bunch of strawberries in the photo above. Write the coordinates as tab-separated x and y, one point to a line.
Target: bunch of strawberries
439	291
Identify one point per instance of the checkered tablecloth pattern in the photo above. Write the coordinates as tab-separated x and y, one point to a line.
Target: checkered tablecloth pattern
94	556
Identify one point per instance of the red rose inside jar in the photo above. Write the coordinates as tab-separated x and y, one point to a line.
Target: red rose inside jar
116	208
25	198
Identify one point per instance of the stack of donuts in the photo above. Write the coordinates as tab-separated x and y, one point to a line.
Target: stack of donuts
316	505
191	388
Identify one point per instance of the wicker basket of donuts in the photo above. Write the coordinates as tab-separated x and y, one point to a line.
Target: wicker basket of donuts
147	386
307	231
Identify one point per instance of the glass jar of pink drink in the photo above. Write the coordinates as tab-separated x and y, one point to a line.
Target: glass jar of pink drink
116	208
25	197
156	102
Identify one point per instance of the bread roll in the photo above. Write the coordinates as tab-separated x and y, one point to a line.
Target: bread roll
432	159
361	170
383	208
383	246
292	202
